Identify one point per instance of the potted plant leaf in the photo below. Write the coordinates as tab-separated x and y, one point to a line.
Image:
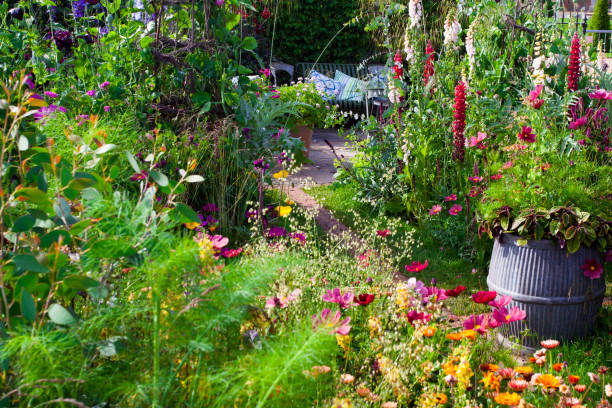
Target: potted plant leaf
315	109
548	204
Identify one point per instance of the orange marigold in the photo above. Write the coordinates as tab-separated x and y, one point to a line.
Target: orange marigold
441	398
428	331
573	379
468	334
508	398
454	336
548	381
523	370
558	366
491	381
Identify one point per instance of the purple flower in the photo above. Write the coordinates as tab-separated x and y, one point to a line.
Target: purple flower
106	108
261	165
78	8
51	94
335	296
47	112
275	232
246	132
210	208
91	93
578	123
104	84
219	3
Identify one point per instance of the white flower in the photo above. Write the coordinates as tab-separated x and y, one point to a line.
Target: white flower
452	28
415	11
608	389
470	50
408	48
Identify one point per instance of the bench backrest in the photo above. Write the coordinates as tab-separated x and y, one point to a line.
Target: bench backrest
329	69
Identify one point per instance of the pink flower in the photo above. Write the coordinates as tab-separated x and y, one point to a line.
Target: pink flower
219	3
416	266
507	165
435	209
230	253
218	242
503	315
283	301
535	94
104	84
497	176
429	63
383	233
479	323
326	321
578	123
435	294
265	72
474	191
476	140
335	296
106	108
483	297
592	269
452	197
526	135
476	179
601	94
501	302
51	94
413	316
455	209
91	93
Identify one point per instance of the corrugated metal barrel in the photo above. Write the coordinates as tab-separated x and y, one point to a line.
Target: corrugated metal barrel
549	285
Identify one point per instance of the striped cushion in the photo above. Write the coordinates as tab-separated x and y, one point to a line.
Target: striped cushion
352	88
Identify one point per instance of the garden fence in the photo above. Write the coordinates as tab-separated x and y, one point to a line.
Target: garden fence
571	22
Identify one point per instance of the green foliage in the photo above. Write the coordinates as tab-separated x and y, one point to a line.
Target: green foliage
313	110
600	20
303	31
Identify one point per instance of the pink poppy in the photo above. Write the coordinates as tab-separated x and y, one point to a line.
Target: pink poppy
455	209
478	323
501	302
592	269
335	296
503	315
435	209
416	266
452	197
327	321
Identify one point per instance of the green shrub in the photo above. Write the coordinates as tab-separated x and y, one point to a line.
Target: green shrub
600	20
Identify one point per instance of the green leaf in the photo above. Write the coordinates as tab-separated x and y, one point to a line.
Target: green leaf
187	212
132	162
23	223
146	41
35	196
111	248
28	307
159	178
521	242
59	315
249	43
573	245
79	227
80	282
55	236
27	262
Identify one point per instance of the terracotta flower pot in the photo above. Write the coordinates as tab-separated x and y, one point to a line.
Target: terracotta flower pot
304	133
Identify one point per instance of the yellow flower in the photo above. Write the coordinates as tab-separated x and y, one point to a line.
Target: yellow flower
38	103
289	202
548	381
375	326
283	210
281	174
343	341
342	403
491	381
523	370
441	398
508	398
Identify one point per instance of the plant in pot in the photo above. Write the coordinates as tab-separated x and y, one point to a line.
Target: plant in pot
548	206
314	110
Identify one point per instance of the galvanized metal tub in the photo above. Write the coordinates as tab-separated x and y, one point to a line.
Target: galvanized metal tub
549	285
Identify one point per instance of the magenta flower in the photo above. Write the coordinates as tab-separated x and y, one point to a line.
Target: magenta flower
413	316
335	296
265	72
478	323
104	84
535	94
455	209
503	315
91	93
592	269
435	209
327	321
51	94
501	302
497	176
106	108
452	197
601	94
219	3
416	266
573	70
578	123
476	179
477	140
435	294
526	135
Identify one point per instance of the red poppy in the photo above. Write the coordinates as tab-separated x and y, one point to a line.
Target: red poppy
266	13
455	292
364	299
484	296
416	266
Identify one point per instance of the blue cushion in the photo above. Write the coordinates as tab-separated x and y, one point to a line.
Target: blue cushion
353	89
329	88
